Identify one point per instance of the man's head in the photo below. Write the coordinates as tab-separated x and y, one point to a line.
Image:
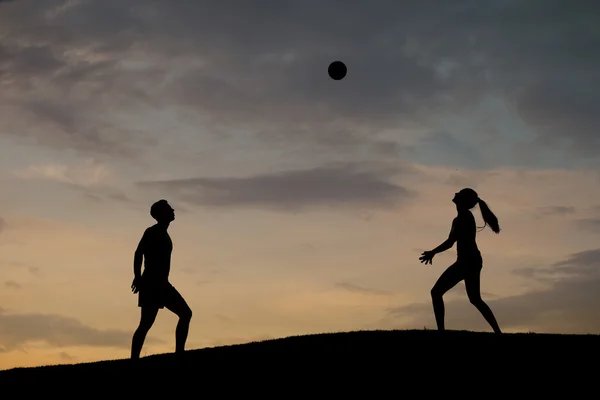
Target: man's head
161	211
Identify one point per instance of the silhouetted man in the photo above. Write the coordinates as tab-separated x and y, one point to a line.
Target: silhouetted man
155	291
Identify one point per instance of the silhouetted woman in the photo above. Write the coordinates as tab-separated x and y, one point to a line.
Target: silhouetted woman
469	262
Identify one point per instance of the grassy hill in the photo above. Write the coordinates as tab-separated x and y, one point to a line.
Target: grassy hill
331	364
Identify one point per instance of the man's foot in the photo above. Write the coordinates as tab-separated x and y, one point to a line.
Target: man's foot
135	361
179	357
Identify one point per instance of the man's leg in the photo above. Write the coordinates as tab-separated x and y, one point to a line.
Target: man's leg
146	321
177	305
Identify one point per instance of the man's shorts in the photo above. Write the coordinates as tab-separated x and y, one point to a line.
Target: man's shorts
157	295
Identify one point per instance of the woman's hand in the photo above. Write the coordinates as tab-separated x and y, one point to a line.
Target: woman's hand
427	257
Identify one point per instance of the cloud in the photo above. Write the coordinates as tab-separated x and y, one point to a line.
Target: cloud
89	173
400	72
58	92
566	108
362	290
32	269
94	180
568	304
66	356
590	224
16	330
443	148
554	211
292	189
103	194
35	271
12	285
70	70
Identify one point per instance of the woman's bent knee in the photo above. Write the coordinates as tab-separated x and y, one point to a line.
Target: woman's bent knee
187	314
476	301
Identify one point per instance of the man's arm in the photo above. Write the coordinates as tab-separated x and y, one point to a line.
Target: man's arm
139	255
448	243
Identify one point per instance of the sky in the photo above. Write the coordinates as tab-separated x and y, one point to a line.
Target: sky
302	203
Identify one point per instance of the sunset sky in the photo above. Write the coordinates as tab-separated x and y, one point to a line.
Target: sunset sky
302	203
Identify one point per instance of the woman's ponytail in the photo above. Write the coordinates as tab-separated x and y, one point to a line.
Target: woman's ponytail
488	216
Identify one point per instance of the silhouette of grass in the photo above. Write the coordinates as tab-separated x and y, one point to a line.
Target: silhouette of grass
383	358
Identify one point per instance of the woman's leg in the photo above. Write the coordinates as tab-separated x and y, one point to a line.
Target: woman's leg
446	281
473	286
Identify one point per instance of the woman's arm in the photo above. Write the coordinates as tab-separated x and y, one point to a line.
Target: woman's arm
448	243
